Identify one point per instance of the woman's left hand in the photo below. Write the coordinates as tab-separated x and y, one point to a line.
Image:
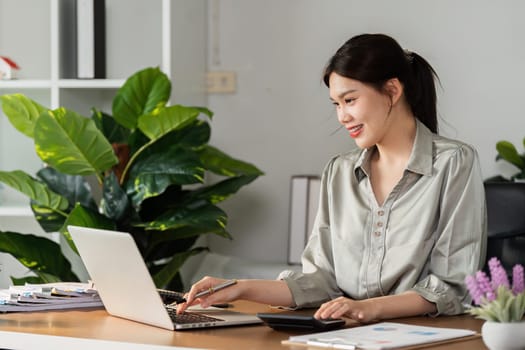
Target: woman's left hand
359	310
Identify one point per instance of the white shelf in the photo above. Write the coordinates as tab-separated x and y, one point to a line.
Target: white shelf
25	84
91	84
62	83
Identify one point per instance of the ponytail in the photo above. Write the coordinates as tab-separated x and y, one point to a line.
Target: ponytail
420	91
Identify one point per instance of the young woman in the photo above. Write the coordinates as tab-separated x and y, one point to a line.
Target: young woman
401	220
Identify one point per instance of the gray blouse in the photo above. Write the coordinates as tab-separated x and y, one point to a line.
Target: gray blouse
426	237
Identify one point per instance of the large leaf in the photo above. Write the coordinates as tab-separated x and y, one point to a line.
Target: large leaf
170	270
141	94
222	164
115	203
39	254
137	140
508	152
150	176
34	189
81	216
114	132
22	112
73	187
193	136
161	238
204	110
199	214
222	190
72	144
26	280
50	220
164	120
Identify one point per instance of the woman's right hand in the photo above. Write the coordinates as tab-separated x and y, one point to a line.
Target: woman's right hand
225	295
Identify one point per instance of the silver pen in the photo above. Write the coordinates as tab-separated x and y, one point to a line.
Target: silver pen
218	287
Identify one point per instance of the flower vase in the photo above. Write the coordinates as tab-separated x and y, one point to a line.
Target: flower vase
504	335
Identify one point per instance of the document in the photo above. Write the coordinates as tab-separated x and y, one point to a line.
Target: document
52	296
384	335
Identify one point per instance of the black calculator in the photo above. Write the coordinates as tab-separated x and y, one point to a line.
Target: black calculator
293	321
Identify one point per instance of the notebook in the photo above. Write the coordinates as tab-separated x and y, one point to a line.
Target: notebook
126	288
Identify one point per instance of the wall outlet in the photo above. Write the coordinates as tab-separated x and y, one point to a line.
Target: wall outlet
221	82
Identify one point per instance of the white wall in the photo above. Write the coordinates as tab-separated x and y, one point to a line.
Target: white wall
280	117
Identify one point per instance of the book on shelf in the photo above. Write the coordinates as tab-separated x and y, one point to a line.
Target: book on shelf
384	335
91	39
304	197
68	38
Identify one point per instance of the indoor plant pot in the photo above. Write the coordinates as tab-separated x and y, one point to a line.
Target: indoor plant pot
503	335
500	304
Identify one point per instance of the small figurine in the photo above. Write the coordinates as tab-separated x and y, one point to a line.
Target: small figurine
7	68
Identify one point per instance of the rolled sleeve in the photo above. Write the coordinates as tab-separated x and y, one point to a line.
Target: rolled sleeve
307	289
438	292
460	247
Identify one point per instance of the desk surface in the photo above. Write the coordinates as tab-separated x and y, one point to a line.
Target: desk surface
97	324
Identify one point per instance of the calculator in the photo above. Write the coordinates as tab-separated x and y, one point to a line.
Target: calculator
293	321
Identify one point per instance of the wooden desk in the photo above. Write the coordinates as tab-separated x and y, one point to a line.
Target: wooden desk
97	324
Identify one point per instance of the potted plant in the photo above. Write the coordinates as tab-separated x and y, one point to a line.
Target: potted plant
150	161
500	304
508	152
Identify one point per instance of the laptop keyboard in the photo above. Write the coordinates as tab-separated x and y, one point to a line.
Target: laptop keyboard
169	296
190	317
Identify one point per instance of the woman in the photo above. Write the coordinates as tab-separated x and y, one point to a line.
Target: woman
401	220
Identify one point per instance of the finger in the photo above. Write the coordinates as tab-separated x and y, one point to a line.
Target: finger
324	307
328	309
204	284
219	297
337	308
181	307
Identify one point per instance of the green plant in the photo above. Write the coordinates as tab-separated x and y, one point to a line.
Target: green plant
150	161
508	152
496	300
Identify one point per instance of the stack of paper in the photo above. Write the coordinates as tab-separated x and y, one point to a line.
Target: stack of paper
385	335
52	296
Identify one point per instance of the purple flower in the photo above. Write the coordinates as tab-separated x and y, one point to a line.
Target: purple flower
475	292
485	286
497	273
518	283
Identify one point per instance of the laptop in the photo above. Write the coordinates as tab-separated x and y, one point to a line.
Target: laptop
126	288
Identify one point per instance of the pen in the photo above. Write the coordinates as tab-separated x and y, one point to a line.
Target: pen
215	288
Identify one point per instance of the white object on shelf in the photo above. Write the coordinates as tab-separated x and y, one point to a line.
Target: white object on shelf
7	68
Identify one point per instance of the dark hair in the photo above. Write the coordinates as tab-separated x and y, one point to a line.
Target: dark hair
375	58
